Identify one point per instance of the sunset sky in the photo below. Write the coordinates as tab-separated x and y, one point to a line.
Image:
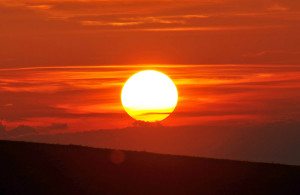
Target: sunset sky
63	63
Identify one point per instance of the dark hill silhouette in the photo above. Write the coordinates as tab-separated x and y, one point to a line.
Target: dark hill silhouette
31	168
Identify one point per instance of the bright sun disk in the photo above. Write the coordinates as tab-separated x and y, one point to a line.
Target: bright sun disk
149	96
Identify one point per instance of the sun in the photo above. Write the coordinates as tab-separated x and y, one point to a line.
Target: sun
149	96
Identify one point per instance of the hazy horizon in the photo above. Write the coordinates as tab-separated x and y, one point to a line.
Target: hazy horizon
236	66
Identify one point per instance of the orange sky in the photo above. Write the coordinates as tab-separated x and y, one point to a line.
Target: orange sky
80	32
63	63
88	97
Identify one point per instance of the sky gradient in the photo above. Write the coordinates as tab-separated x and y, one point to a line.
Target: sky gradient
93	32
63	63
88	97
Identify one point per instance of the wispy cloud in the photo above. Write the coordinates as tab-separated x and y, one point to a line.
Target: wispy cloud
48	32
99	23
278	7
215	28
211	93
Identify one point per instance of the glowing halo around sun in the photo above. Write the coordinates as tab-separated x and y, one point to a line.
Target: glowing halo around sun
149	96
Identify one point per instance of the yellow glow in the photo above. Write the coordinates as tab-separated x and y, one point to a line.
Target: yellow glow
149	96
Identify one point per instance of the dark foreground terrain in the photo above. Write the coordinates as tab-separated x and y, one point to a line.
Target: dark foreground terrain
30	168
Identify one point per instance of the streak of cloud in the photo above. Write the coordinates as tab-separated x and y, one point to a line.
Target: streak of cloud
211	93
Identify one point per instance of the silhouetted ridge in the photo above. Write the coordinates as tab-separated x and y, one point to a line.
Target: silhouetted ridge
30	168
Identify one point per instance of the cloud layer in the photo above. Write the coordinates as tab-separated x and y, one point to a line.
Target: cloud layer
88	98
49	32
